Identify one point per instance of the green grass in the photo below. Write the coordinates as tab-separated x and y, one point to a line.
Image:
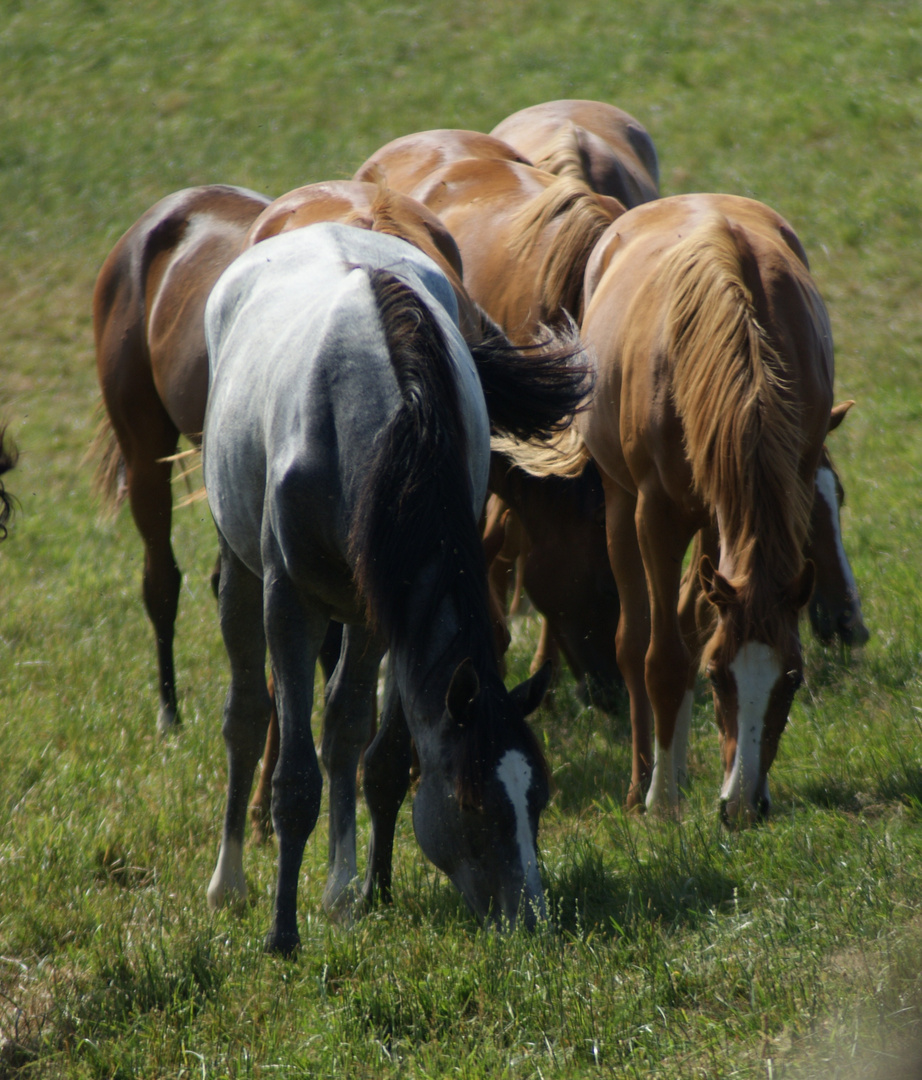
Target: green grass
686	951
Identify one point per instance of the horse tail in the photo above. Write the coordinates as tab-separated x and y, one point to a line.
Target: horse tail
417	493
562	155
581	217
532	391
109	481
732	391
563	454
8	458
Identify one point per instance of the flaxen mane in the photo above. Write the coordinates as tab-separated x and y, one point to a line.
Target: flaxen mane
581	220
742	428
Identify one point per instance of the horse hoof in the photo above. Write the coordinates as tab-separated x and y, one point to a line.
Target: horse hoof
282	944
168	721
261	823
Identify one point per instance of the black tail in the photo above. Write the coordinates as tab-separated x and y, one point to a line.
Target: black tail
8	458
415	506
532	391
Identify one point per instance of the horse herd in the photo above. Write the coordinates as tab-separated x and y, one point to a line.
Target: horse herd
515	317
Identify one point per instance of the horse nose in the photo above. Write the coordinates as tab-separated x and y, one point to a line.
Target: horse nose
851	629
737	813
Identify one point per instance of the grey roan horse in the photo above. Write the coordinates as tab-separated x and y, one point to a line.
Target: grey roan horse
346	451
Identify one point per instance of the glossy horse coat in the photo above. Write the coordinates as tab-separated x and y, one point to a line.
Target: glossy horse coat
593	140
713	398
346	453
148	308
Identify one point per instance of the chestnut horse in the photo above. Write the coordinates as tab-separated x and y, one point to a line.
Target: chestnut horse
148	309
713	398
595	141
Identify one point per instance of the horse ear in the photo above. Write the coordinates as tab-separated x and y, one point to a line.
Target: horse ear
462	690
716	587
528	695
801	588
838	414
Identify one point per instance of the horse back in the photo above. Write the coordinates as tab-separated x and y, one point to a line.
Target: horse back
150	295
408	160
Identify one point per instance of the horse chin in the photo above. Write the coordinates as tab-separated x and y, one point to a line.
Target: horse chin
741	812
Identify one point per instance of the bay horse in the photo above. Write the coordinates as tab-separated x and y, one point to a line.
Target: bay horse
713	398
595	141
345	454
148	310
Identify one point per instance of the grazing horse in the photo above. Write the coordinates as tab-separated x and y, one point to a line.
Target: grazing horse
592	140
345	454
148	308
8	457
713	398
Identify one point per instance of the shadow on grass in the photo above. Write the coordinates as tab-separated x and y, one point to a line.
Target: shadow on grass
848	795
675	886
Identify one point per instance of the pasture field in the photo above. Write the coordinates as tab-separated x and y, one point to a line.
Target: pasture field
792	950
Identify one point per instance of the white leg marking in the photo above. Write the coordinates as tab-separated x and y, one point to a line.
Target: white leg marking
662	791
515	774
670	766
228	884
756	670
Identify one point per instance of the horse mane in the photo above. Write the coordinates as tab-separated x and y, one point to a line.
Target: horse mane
582	219
742	426
414	510
8	458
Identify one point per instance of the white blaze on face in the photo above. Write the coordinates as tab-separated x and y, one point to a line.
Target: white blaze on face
756	670
515	775
826	489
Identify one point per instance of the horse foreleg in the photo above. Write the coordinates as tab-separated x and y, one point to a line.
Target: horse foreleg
348	719
633	634
294	633
246	713
386	780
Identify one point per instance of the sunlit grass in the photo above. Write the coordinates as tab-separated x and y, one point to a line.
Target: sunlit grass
674	950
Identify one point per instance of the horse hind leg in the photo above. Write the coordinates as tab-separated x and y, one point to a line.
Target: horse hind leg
150	496
386	779
246	715
294	631
348	724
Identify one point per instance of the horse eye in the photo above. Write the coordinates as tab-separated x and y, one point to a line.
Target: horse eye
795	678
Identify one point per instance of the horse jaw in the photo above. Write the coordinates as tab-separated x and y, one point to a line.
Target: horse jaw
744	796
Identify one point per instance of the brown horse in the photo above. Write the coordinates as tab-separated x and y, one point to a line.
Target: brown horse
712	401
152	366
8	457
407	160
592	140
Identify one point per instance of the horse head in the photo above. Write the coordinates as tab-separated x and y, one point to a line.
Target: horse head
835	608
754	665
478	819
